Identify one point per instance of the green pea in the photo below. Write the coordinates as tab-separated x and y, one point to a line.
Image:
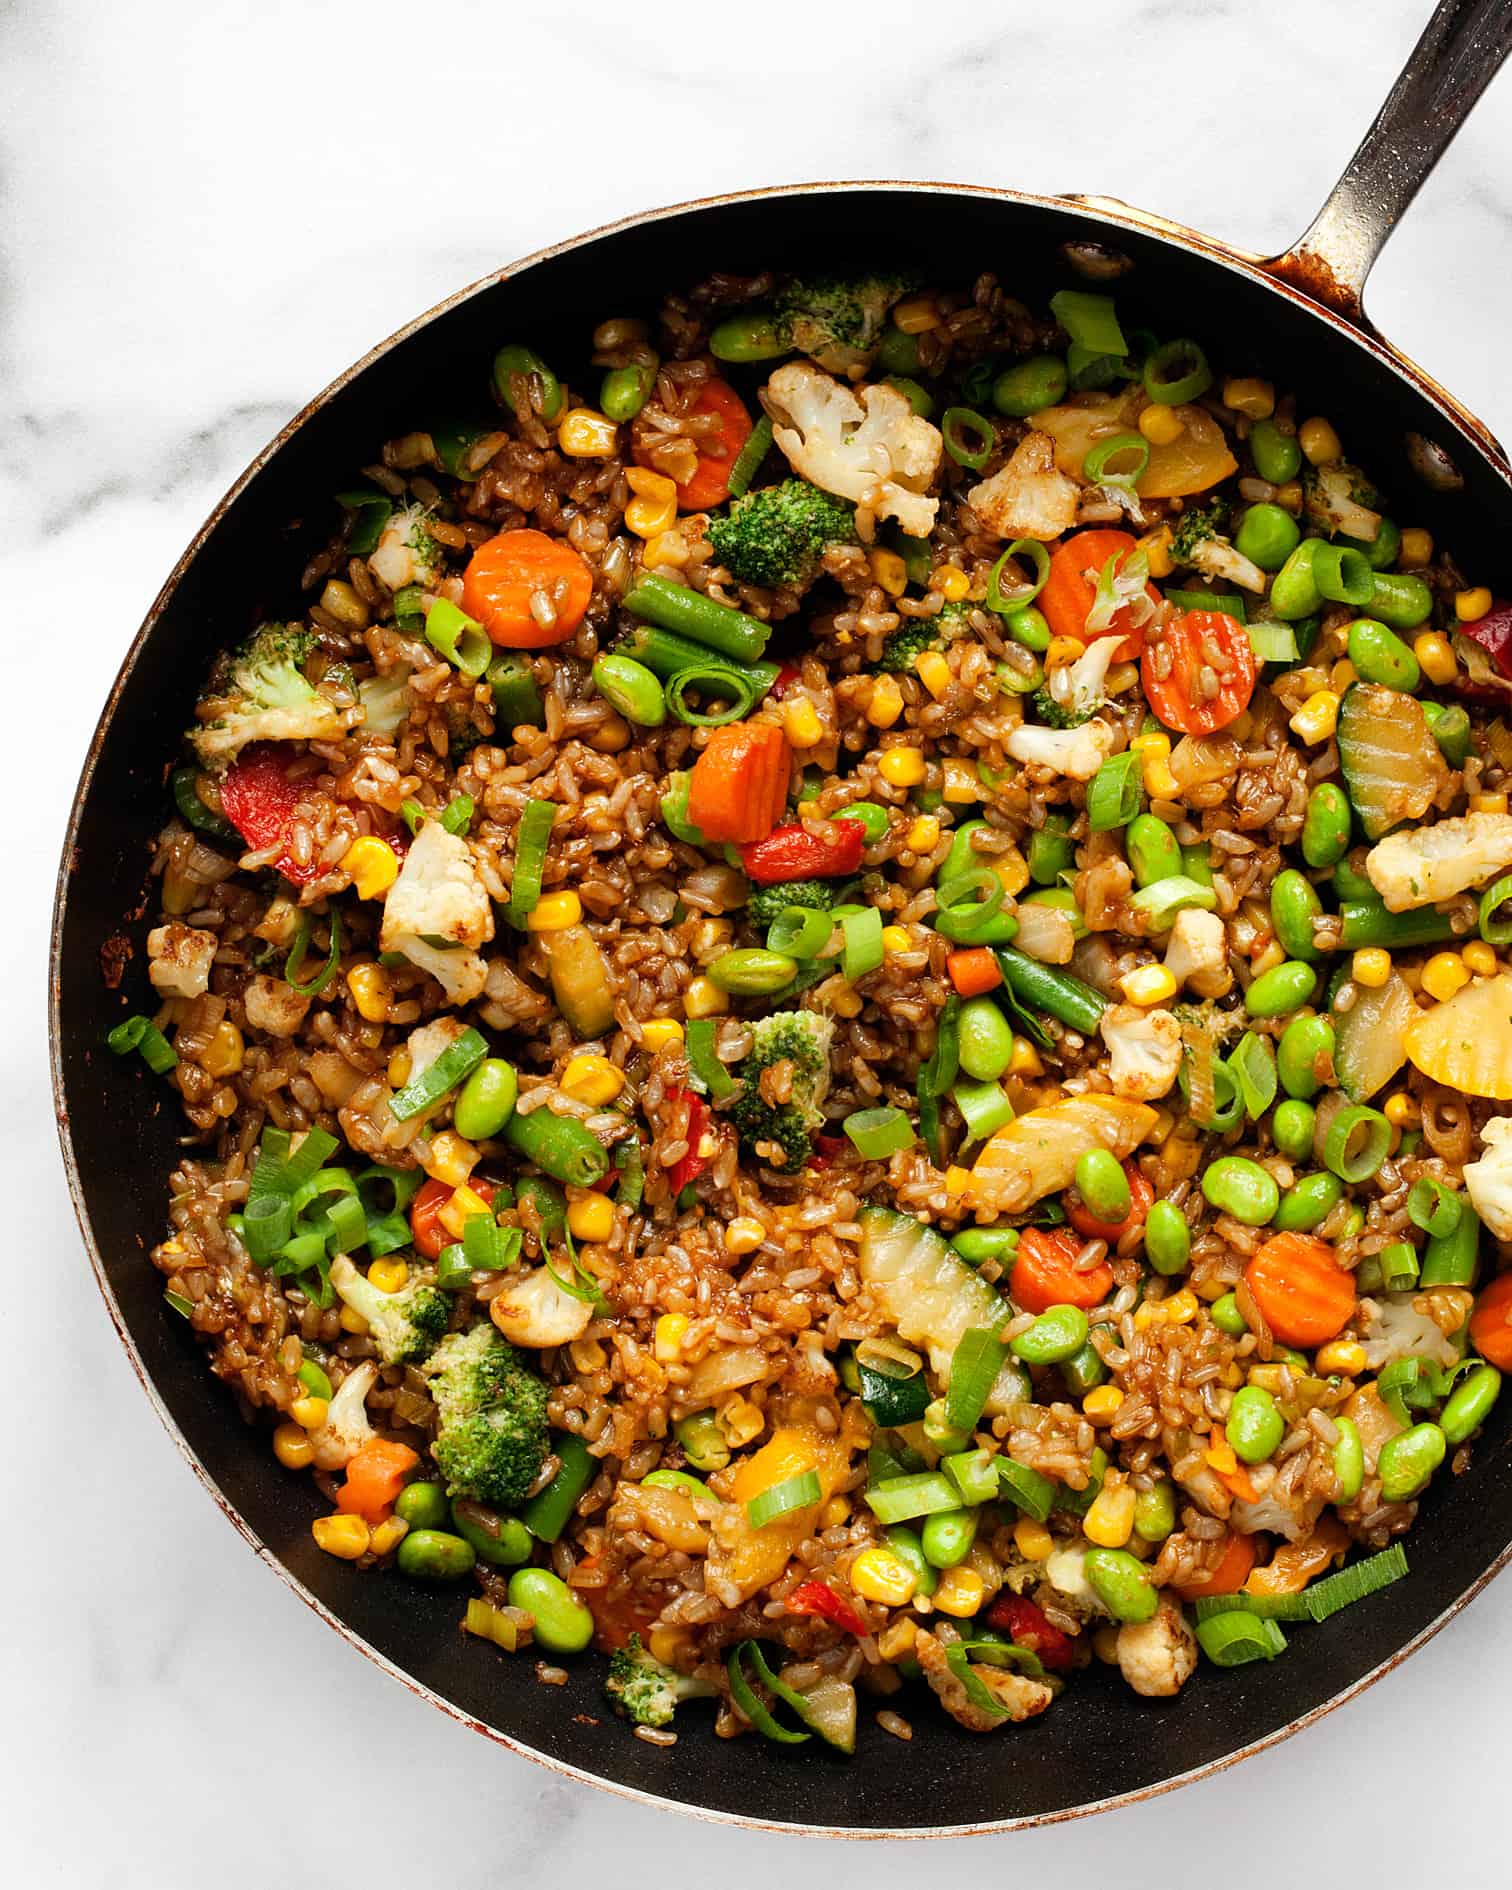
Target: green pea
1294	905
753	972
1381	551
1470	1403
1168	1239
1451	730
875	820
1267	536
702	1440
917	396
899	353
1294	590
514	360
1400	601
1382	657
1226	1316
905	1544
1085	1370
1408	1460
422	1505
1277	455
1292	1128
1030	386
1308	1203
986	1040
1029	627
487	1100
1325	825
677	1480
1281	990
1153	850
754	335
1236	1185
947	1536
633	689
433	1555
1348	1459
562	1624
1155	1511
1121	1583
1103	1185
627	389
976	1244
1255	1427
1059	1333
1304	1056
502	1541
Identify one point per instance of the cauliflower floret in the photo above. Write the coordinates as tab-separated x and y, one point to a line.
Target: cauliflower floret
1282	1515
1018	1698
1029	497
346	1428
1066	1572
407	554
1395	1330
1146	1051
1488	1182
1080	688
274	1006
867	444
1426	864
438	895
534	1310
385	702
1157	1657
1216	558
1077	753
179	959
1197	953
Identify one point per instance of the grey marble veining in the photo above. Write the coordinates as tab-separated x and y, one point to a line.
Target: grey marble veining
208	210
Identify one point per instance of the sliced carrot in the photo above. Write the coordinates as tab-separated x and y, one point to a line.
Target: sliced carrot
1491	1323
717	451
1071	588
739	784
1045	1275
973	972
1228	1575
1199	651
374	1477
1305	1296
505	576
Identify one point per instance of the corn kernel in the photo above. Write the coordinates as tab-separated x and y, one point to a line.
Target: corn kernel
879	1575
1102	1404
1316	720
660	1033
373	865
370	989
591	1217
1154	753
963	784
1180	1308
343	1536
800	721
960	1592
1062	652
1268	1378
1246	395
350	1320
1032	1539
896	938
389	1274
1470	606
951	582
400	1065
703	998
1148	984
835	1514
889	570
309	1413
1161	425
292	1447
1271	955
902	767
586	434
1488	803
666	1643
592	1079
885	704
1220	1457
841	999
1151	1313
1371	967
741	1422
668	1337
897	1639
455	1213
1319	441
1444	974
1436	655
649	519
1156	545
957	1180
1479	958
933	671
1342	675
1110	1521
1402	1111
915	314
224	1054
1345	1357
744	1234
923	835
1024	1059
1416	546
555	911
388	1535
667	547
1012	870
1289	496
448	1157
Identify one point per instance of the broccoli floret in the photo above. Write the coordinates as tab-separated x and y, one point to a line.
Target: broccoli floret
782	1134
903	646
779	534
838	323
492	1441
766	902
1055	714
1197	524
262	696
403	1325
1199	542
645	1690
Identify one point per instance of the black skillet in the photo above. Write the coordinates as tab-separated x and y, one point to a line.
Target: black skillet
1297	318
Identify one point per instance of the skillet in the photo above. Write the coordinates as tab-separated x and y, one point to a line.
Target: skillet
1297	317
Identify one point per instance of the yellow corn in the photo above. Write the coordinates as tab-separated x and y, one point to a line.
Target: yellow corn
610	735
951	582
800	721
1436	654
350	1320
1479	958
1156	545
741	1422
1180	1156
703	998
711	937
459	1210
555	911
1248	396
654	508
1444	974
960	1592
665	1644
1265	960
1488	803
668	547
1402	1111
841	999
224	1054
885	704
1470	606
1289	496
1342	675
1319	441
1101	1405
1032	1539
902	767
933	671
373	865
388	1535
1148	984
1063	651
343	1536
388	1275
1416	546
1024	1059
744	1234
962	783
668	1337
1371	967
309	1413
835	1513
889	570
957	1180
1342	1356
400	1065
923	835
1161	425
447	1157
879	1575
896	938
591	1217
592	1079
1154	753
660	1032
371	990
1151	1313
292	1447
1180	1308
1316	720
897	1640
1110	1521
915	314
586	434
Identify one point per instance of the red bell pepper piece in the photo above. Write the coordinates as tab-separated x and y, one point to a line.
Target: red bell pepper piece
1493	633
259	800
793	852
692	1164
782	682
1026	1626
819	1598
827	1150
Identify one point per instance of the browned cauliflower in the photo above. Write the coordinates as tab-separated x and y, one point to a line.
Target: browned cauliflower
865	444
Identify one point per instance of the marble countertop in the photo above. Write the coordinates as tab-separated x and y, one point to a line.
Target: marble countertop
210	210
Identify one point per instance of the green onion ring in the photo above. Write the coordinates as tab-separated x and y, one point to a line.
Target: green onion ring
140	1033
532	837
969	915
955	422
1096	464
799	932
1006	602
1493	930
294	963
796	1492
1177	371
878	1133
1351	1122
716	679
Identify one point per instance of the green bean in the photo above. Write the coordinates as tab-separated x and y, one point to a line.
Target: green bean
501	1541
1226	1316
909	1549
1046	989
1255	1427
1155	1511
1400	601
1367	922
562	1624
1309	1202
515	359
899	353
549	1511
1325	825
1121	1583
1452	1259
1267	536
1152	849
1103	1185
1350	881
434	1555
986	1039
631	688
946	1536
516	693
487	1100
1168	1239
1348	1459
1057	1334
1382	657
753	335
1235	1185
1408	1460
976	1244
627	389
559	1145
1277	456
1281	990
1030	386
1451	730
703	1442
1294	591
666	654
422	1505
1469	1404
1295	905
1292	1128
752	972
1304	1056
689	613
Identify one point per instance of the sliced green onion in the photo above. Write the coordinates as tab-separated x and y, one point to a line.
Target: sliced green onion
974	1366
899	1499
630	1165
1496	926
1226	603
937	1074
266	1224
971	900
974	1473
878	1133
345	1225
459	814
1115	793
1356	1582
194	810
740	693
1167	897
744	1696
985	1108
1236	1637
711	1075
487	1247
748	459
862	932
1089	320
459	638
532	837
1401	1385
371	511
412	813
1177	371
1265	1607
454	1065
1272	642
957	425
995	1653
1006	602
1029	1490
799	932
408	609
1253	1064
1392	1270
294	963
140	1033
799	1492
972	1685
1357	1142
1228	1104
1431	1206
1098	464
183	1307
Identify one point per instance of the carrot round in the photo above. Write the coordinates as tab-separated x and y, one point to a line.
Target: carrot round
739	783
1229	1573
717	451
974	971
1491	1323
1305	1295
1198	652
374	1477
505	577
1045	1275
1070	589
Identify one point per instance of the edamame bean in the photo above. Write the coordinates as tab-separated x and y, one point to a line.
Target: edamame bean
753	335
487	1100
1294	905
421	1505
1121	1583
1057	1334
1304	1056
1348	1459
502	1541
1325	825
1308	1203
1227	1317
753	972
1030	386
899	353
1153	850
1470	1403
1381	551
1267	536
633	689
1168	1239
434	1555
1408	1460
986	1040
562	1624
514	359
702	1440
1277	455
1382	657
1236	1185
905	1544
1292	1128
1155	1511
1399	600
1255	1427
1294	590
1103	1186
1029	627
874	819
976	1244
947	1536
627	389
677	1480
1281	990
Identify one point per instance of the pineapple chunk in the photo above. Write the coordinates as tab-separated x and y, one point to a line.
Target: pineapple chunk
1037	1154
1466	1042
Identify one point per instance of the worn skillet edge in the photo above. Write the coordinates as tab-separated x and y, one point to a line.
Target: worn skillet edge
1102	213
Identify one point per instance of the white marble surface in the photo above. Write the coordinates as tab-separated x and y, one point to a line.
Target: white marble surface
209	209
